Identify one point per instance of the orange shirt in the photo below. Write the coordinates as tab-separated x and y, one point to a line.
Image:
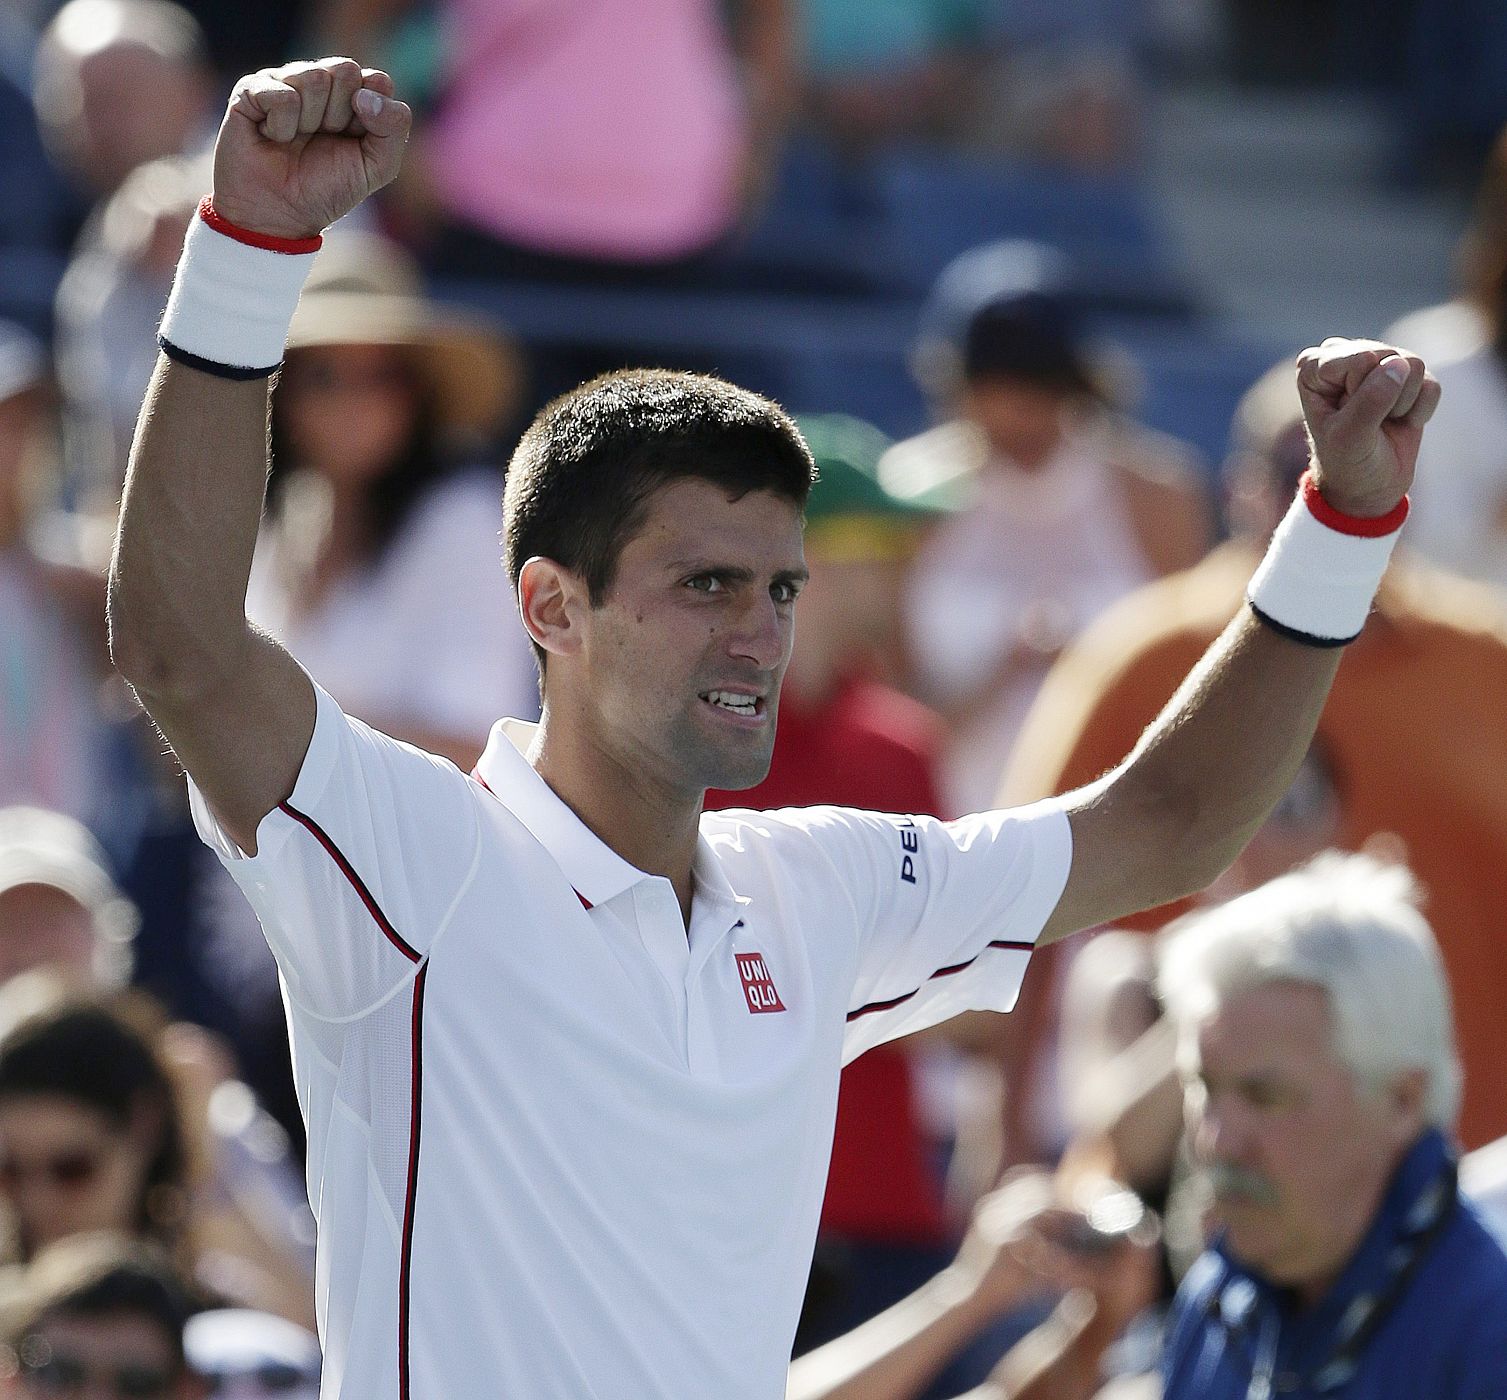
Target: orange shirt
1415	731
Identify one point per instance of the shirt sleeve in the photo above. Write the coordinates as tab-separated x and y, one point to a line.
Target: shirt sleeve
948	912
359	871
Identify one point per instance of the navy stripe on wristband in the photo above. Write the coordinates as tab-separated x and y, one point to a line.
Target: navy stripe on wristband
214	367
1293	635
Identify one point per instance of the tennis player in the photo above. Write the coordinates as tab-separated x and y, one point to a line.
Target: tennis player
568	1049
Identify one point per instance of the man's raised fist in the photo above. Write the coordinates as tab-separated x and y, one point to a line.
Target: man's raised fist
1365	404
305	143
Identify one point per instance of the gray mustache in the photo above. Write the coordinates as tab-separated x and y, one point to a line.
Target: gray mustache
1230	1182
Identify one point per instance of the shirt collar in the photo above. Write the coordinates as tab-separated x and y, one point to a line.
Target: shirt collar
594	869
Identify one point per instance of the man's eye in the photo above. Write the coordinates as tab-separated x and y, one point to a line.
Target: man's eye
705	583
785	592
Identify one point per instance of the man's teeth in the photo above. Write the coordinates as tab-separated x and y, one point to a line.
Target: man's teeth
740	704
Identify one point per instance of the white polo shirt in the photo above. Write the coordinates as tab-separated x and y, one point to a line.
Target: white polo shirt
561	1148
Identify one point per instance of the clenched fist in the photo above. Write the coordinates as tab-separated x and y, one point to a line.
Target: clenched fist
1365	405
305	143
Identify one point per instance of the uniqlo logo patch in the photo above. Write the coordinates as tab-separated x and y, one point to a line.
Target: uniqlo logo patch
758	986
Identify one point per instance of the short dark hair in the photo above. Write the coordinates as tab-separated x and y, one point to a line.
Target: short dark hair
581	477
100	1275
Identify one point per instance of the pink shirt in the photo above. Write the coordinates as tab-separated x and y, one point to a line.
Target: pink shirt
596	128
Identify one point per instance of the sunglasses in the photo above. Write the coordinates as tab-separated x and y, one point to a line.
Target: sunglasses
66	1171
271	1378
58	1373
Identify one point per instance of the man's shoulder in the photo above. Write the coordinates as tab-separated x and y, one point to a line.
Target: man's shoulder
1446	611
1470	1265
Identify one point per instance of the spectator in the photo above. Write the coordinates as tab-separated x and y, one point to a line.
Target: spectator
96	1133
583	145
1021	1245
88	1125
1069	89
1463	525
52	737
98	1315
1065	505
1411	750
882	72
107	310
59	906
96	63
247	1355
61	911
371	522
1315	1041
1467	322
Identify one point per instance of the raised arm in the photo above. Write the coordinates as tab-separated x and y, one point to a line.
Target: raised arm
295	152
1207	772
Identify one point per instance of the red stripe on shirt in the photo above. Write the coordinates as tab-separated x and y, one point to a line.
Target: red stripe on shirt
355	881
893	1002
410	1195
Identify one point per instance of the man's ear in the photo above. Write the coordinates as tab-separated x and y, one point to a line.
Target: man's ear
553	602
1406	1095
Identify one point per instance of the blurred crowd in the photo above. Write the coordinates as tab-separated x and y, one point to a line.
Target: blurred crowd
1006	587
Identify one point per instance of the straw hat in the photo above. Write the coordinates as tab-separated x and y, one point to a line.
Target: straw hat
365	290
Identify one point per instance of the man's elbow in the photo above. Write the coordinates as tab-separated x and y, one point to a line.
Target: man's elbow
157	663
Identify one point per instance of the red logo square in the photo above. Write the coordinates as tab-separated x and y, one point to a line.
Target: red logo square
758	986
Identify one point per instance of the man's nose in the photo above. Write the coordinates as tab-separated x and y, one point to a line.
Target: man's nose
761	633
1221	1135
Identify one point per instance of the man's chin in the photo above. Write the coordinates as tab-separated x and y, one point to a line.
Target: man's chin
739	774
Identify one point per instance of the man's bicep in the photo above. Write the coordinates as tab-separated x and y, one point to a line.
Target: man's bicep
243	739
1103	878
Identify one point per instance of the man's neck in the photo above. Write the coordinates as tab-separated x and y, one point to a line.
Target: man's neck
651	828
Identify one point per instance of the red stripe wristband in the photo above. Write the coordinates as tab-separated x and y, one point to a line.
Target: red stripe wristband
1366	527
271	242
1322	569
234	296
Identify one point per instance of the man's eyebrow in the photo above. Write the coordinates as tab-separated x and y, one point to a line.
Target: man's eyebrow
736	573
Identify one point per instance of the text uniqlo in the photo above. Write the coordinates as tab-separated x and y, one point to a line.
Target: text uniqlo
758	986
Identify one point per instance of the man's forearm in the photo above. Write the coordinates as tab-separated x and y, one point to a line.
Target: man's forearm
1230	743
1061	1360
896	1355
188	527
1205	774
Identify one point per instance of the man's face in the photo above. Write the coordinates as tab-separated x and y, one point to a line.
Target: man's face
117	1356
680	668
1297	1150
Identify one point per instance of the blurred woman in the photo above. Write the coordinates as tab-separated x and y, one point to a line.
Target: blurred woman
99	1130
380	566
90	1137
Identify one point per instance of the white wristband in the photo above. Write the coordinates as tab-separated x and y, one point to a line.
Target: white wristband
233	297
1322	569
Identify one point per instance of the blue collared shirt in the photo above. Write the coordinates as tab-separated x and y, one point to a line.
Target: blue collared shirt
1445	1337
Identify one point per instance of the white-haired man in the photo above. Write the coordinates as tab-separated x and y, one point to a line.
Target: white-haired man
1316	1043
